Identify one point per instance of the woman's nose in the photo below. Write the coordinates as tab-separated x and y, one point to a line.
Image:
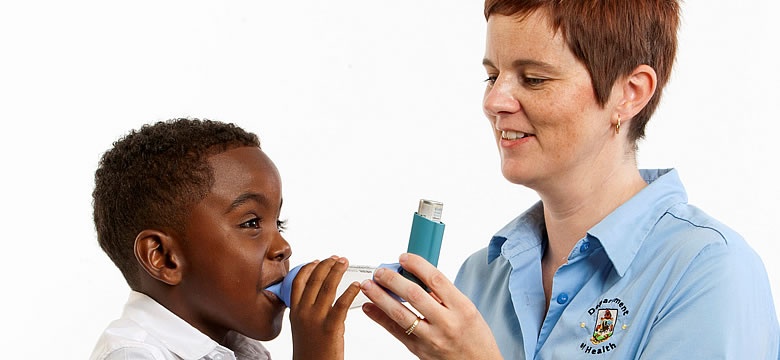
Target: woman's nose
500	98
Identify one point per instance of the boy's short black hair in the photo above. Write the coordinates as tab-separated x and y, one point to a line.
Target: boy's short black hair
152	177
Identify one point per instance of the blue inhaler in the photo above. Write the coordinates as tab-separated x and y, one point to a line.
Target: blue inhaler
424	240
426	235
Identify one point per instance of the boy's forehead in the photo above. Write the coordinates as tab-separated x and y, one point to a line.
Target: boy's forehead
241	156
243	167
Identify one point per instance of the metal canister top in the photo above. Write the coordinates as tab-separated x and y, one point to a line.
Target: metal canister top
430	209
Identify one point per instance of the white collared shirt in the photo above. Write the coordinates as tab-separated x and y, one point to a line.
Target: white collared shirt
147	330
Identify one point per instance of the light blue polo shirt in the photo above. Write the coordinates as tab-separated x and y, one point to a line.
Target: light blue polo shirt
656	279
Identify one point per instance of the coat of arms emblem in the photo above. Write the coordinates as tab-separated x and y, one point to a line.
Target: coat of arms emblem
605	325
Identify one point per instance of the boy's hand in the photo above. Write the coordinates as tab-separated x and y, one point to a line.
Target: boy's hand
317	322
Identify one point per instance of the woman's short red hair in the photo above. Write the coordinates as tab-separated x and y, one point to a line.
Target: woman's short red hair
612	38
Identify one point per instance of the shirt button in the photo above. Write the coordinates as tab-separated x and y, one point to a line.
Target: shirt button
585	246
562	298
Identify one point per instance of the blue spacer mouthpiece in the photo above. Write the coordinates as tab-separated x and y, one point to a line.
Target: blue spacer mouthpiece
284	288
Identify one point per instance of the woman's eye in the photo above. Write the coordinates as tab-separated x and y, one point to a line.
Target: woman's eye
491	80
281	225
534	81
251	224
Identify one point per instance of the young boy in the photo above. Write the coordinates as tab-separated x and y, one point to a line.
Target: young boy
188	210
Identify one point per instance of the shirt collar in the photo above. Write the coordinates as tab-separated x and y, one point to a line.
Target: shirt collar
525	231
179	336
621	233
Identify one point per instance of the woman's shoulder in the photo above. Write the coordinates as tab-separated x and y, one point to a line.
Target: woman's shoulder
688	237
688	223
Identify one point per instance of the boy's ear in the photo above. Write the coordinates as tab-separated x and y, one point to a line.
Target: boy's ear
159	255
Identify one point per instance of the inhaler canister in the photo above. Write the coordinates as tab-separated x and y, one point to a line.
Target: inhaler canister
426	235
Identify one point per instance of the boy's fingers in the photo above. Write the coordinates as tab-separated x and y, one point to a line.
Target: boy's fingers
327	290
299	284
344	301
313	283
310	287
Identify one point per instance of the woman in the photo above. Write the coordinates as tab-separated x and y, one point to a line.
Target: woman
611	262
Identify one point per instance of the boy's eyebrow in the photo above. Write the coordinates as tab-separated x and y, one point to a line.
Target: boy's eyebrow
245	197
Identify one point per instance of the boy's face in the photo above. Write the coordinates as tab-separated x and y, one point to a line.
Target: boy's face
233	249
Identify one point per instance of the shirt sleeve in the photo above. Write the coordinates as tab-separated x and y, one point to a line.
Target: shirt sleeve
722	308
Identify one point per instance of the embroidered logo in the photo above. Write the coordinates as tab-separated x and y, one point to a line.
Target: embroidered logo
602	338
605	325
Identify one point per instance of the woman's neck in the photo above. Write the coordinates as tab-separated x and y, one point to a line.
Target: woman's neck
569	213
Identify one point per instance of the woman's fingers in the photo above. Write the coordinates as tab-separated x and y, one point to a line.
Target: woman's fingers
442	289
378	315
396	318
443	292
449	316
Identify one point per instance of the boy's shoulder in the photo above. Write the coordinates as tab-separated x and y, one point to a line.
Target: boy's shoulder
147	330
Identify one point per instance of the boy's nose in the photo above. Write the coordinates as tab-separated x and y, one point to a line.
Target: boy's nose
280	250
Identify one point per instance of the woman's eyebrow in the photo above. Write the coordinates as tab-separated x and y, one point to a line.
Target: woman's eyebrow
522	62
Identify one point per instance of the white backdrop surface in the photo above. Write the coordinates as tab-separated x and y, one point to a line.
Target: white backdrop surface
365	107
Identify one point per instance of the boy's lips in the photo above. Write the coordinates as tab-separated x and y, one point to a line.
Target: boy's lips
273	298
270	294
266	286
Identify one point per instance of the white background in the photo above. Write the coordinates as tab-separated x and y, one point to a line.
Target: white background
365	106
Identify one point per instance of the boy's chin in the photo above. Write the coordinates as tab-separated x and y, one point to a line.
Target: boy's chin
268	333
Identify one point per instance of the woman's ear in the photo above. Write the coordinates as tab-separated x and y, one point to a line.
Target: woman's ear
638	89
159	255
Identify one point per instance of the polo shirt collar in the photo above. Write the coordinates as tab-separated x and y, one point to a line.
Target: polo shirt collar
624	230
621	233
526	232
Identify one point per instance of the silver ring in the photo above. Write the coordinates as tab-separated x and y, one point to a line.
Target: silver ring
410	330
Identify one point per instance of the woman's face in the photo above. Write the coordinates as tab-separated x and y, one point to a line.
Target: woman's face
540	102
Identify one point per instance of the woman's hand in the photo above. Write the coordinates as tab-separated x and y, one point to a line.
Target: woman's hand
317	322
451	327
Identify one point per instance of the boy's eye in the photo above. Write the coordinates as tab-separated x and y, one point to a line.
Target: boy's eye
254	223
281	225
